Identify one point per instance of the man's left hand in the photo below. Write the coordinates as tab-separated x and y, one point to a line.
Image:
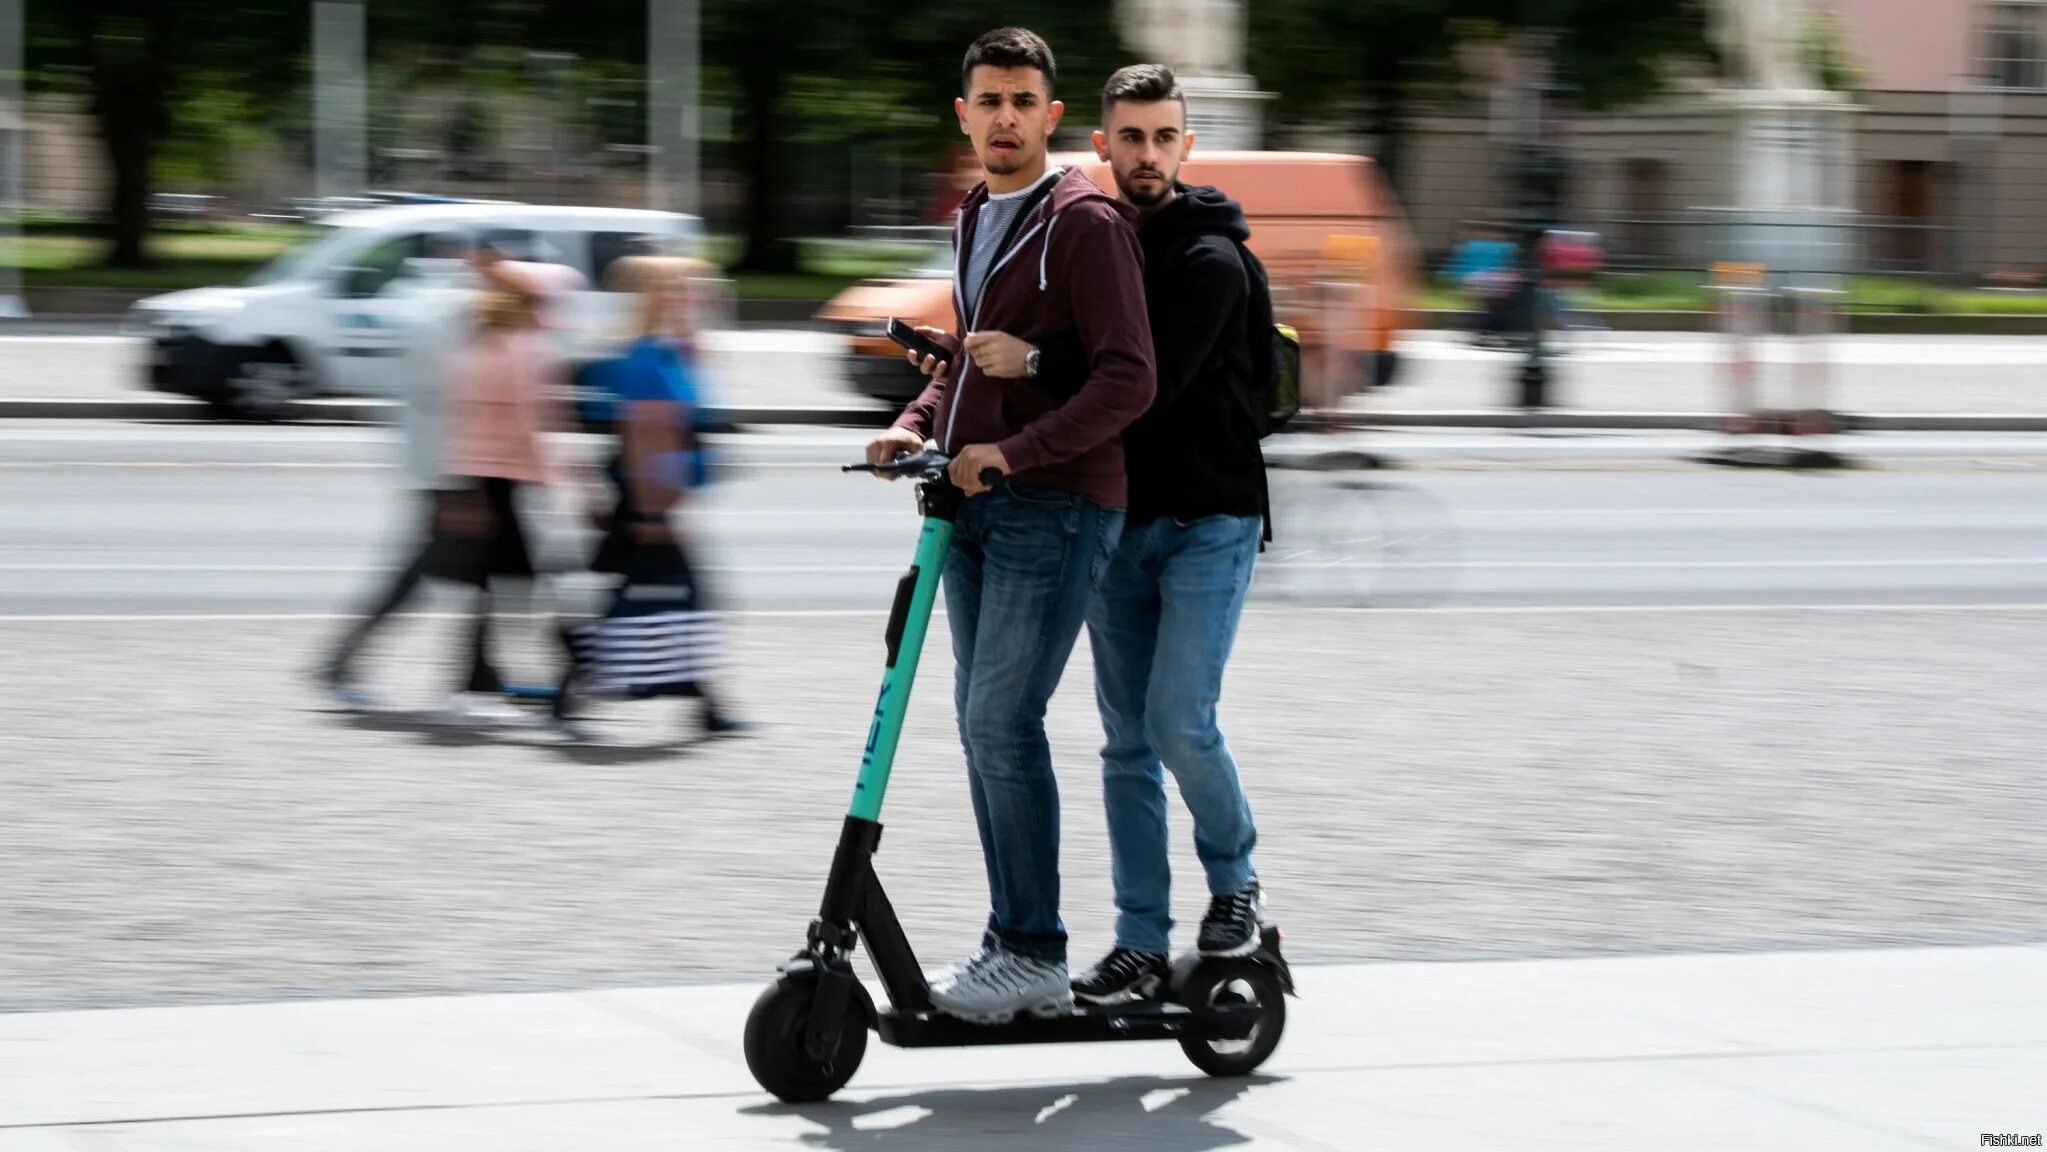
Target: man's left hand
998	354
968	465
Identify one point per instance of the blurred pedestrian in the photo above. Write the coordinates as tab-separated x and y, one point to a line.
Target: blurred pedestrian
504	398
426	350
1570	260
657	639
1483	264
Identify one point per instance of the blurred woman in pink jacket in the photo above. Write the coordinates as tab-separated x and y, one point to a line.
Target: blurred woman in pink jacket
504	398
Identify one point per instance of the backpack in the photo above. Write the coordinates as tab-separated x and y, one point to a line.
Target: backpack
1275	353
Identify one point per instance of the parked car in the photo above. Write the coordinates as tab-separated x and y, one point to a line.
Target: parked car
327	317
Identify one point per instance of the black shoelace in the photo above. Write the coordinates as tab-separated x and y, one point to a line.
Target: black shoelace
1121	964
1233	908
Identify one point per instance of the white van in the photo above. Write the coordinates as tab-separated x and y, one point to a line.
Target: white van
331	316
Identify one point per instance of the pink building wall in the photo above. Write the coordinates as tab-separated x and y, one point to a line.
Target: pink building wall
1911	45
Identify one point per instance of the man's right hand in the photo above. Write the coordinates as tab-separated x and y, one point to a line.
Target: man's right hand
895	442
932	366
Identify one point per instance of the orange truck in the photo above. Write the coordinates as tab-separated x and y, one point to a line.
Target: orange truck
1327	227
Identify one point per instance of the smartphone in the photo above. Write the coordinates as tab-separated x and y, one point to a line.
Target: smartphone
915	341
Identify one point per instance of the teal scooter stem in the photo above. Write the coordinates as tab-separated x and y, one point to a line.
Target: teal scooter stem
808	1031
908	622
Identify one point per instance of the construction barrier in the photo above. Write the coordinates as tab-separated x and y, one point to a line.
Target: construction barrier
1747	306
1344	299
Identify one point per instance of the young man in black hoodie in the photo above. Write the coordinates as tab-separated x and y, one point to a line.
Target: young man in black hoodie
1162	625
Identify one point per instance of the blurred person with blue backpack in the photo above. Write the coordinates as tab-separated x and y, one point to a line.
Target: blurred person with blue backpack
658	636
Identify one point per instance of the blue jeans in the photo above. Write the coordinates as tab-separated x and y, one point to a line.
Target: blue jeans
1025	562
1161	632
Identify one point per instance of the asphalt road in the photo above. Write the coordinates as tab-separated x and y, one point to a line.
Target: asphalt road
129	519
1644	372
1648	707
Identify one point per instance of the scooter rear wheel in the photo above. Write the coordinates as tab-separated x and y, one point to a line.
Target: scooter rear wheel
775	1051
1215	983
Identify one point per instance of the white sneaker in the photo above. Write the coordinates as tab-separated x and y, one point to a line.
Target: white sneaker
475	709
567	731
991	987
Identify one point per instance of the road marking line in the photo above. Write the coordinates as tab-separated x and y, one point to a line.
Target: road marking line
210	464
1367	564
1253	609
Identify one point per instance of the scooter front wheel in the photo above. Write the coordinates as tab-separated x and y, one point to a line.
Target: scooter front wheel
1235	983
775	1049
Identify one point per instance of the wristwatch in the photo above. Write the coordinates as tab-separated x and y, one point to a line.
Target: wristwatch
1031	362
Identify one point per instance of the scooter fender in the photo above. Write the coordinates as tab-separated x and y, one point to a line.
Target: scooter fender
1268	955
804	966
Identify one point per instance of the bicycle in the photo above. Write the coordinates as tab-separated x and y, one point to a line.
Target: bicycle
1345	536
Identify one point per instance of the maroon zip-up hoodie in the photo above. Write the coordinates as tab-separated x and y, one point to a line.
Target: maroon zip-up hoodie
1074	272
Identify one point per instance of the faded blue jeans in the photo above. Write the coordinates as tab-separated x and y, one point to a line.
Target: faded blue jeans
1025	563
1161	631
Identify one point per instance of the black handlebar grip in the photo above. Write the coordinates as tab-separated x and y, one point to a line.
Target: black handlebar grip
990	477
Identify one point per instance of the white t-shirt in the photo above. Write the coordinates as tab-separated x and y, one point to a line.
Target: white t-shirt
998	212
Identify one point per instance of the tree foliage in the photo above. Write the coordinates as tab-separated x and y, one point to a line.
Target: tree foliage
178	86
1373	62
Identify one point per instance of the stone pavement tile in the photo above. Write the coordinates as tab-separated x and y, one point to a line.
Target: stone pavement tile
1568	1106
1879	1050
1944	1097
1835	1000
147	1063
1572	1107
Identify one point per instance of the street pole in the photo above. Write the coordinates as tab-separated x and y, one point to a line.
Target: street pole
1540	181
13	125
338	98
674	105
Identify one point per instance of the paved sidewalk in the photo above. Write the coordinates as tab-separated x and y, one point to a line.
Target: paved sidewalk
1610	372
1471	784
1866	1050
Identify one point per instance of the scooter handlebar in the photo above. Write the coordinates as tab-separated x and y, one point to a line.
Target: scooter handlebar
929	465
909	464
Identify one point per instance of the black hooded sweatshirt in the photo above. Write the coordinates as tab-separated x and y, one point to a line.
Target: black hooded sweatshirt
1194	453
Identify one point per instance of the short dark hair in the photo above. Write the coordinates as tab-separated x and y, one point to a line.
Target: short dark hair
1142	83
1009	48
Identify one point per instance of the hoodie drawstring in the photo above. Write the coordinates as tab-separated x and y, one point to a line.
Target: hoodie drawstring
1046	251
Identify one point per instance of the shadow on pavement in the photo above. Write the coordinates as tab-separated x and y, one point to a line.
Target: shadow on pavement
617	755
432	730
1154	1113
424	724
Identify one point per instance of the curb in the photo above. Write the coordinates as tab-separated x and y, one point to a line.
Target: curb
385	412
1852	323
757	313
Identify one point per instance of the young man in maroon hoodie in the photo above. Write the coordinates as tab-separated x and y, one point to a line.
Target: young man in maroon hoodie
1046	257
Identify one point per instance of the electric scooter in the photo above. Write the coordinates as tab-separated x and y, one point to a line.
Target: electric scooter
808	1030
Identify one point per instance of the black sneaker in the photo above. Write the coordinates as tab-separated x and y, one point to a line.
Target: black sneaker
1124	976
1231	926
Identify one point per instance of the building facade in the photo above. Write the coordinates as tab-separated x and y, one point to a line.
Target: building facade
1949	150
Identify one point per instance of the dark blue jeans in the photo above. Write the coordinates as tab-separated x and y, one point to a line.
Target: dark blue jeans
1161	633
1024	564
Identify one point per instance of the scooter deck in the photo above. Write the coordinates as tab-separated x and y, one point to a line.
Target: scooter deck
1082	1025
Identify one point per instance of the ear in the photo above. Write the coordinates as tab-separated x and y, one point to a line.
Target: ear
959	109
1053	115
1186	144
1101	145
